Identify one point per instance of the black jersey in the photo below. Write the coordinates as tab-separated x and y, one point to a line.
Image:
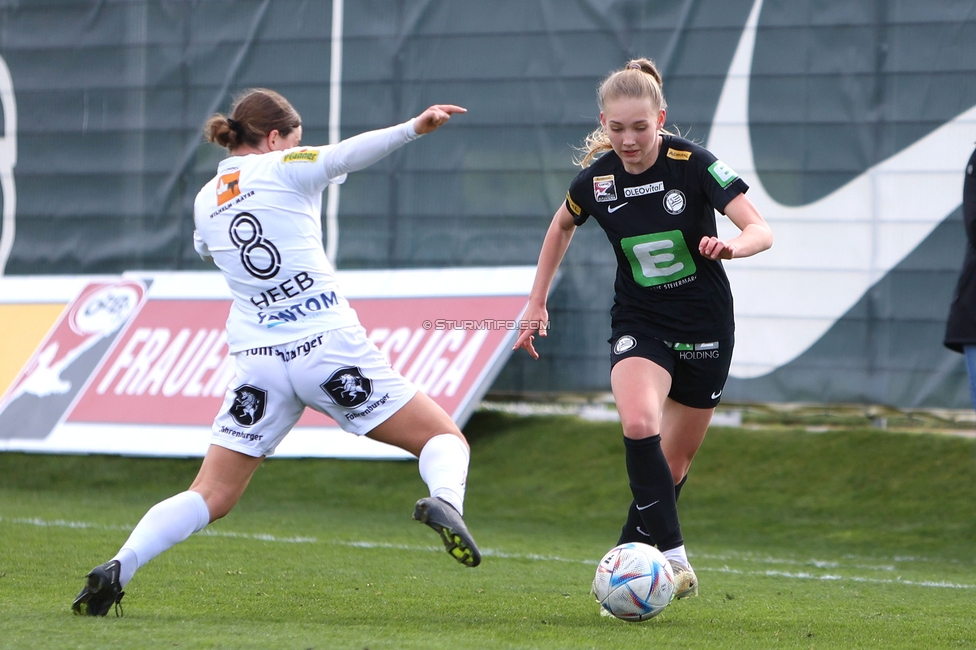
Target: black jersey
654	221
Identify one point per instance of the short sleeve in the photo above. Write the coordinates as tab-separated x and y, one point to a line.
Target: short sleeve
720	182
579	216
576	200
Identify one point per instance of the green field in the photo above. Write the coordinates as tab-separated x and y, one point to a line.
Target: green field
850	538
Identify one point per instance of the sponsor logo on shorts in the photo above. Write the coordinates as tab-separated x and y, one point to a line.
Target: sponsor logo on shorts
300	350
369	409
711	345
604	189
305	155
694	355
348	387
677	154
674	202
624	343
650	188
249	404
695	351
250	437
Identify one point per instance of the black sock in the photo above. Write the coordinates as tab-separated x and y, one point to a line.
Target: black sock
632	531
653	488
677	488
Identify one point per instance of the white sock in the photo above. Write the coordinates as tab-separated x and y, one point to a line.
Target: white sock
166	524
678	554
444	468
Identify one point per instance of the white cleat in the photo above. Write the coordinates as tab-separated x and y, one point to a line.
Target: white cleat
685	580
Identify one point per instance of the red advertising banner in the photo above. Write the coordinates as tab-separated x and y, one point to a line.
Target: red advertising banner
135	367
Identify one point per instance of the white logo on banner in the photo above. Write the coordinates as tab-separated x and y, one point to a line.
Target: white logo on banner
828	253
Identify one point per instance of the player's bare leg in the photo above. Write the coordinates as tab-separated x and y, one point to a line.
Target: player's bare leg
425	430
222	479
683	430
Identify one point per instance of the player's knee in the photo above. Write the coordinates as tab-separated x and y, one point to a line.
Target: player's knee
640	427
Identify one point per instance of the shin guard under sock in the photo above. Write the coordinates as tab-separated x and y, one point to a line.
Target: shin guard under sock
652	485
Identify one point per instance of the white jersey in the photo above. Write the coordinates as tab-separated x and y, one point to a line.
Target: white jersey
260	220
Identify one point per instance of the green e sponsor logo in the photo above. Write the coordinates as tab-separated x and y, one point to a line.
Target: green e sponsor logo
658	258
722	173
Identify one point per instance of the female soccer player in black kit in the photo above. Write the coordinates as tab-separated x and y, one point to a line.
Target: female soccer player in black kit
655	196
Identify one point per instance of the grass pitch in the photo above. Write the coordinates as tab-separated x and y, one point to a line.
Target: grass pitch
844	539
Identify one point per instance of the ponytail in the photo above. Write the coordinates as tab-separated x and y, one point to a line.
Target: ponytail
639	79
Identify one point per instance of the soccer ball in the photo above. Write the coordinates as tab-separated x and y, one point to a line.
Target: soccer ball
634	582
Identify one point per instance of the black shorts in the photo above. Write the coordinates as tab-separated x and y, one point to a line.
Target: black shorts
698	370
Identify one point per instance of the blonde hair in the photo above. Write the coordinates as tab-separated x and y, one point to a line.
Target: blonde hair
639	79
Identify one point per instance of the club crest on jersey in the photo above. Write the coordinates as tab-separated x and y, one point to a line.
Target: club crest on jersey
228	186
674	201
604	189
348	387
624	343
249	404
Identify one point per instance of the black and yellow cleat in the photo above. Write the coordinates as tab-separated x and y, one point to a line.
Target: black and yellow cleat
442	517
101	591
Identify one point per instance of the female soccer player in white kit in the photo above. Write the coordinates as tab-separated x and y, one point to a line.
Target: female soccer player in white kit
295	339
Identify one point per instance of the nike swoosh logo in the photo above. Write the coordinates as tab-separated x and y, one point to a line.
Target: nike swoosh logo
716	395
616	207
642	532
828	253
648	505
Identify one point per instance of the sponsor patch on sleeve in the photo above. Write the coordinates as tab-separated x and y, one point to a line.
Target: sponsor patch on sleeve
571	204
678	154
722	173
303	155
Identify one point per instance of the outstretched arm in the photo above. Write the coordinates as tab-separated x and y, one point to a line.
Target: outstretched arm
554	246
361	151
754	238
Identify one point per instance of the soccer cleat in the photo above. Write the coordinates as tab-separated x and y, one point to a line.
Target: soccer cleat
442	517
101	591
685	580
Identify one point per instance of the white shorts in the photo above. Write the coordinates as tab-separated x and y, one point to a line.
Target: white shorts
339	373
